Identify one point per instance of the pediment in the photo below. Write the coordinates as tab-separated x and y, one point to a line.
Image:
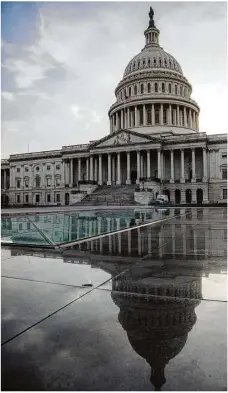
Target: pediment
122	137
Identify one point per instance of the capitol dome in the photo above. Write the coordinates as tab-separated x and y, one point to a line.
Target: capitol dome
154	96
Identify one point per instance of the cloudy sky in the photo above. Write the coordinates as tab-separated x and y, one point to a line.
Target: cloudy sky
62	61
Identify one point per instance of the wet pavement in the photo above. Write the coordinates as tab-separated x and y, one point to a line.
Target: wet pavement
144	309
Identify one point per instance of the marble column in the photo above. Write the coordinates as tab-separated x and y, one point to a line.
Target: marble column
91	168
148	164
79	169
136	116
128	181
95	169
109	182
170	115
159	163
121	118
185	117
193	166
118	169
204	165
178	115
197	122
190	118
113	169
161	115
100	170
182	179
144	115
138	166
172	166
153	115
142	166
87	169
71	172
128	117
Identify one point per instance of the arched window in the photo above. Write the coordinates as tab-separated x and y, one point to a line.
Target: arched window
155	61
134	65
165	63
142	88
163	88
138	64
170	88
181	90
170	64
129	91
156	87
175	89
156	115
135	90
148	88
149	117
160	61
140	116
148	62
37	179
144	62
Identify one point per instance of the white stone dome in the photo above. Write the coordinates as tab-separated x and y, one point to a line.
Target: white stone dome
152	58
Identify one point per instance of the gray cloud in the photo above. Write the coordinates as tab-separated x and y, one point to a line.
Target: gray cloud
58	90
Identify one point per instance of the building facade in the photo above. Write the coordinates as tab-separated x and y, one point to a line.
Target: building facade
154	138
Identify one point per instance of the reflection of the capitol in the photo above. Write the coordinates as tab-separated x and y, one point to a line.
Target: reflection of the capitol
157	326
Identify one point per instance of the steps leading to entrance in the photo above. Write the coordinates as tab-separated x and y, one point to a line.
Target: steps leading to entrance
121	194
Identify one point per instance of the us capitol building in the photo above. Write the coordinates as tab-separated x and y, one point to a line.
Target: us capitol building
154	139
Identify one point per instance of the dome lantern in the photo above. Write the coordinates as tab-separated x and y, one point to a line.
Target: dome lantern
151	33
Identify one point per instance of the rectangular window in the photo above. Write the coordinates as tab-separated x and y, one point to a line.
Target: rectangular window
224	174
18	183
48	181
37	198
58	167
26	169
48	168
48	197
26	198
57	197
18	169
18	199
58	181
224	193
26	183
28	225
20	227
224	155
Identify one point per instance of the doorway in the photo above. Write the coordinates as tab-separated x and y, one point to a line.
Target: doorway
177	196
133	177
188	196
167	192
199	195
67	198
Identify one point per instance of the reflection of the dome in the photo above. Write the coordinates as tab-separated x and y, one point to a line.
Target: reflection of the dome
157	315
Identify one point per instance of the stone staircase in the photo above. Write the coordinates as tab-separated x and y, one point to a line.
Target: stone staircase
111	195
